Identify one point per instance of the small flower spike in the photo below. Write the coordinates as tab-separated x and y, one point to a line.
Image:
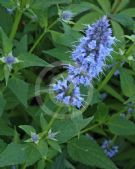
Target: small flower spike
67	93
89	58
93	50
109	149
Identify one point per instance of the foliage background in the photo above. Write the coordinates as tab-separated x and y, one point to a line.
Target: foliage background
32	30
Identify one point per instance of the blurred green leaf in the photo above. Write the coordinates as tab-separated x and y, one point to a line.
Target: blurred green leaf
29	60
20	90
121	126
2	104
6	43
5	130
88	152
28	129
130	12
12	155
127	83
86	19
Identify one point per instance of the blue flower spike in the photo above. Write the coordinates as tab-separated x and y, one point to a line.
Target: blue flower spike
89	58
109	149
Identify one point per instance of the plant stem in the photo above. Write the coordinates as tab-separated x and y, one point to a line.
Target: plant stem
51	122
18	16
90	128
37	41
41	36
24	166
108	77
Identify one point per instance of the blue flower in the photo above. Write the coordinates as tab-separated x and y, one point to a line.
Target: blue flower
35	138
109	149
67	93
9	60
66	15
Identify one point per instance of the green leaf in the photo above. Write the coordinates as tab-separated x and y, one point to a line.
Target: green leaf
7	45
68	128
130	12
88	152
86	19
42	147
121	126
29	60
5	130
2	104
59	53
127	83
43	122
42	4
124	20
12	155
118	31
113	93
101	113
117	7
20	90
5	20
28	129
21	46
78	8
32	155
54	145
105	5
64	39
59	163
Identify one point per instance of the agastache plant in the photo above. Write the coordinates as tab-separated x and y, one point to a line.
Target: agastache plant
89	56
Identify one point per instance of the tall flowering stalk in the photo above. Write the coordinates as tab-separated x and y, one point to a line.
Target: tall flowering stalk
89	57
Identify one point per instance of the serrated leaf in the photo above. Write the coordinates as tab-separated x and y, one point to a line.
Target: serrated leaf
88	152
121	126
20	89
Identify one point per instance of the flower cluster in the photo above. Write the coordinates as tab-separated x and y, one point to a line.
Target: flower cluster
109	149
89	57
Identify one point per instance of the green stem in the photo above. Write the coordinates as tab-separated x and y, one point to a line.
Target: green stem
23	166
90	128
37	41
108	77
18	16
41	36
54	117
